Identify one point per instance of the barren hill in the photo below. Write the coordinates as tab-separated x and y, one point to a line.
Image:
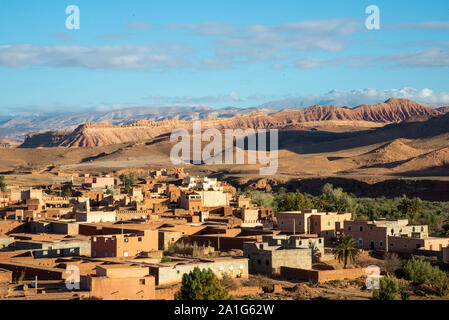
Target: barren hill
99	134
434	160
396	150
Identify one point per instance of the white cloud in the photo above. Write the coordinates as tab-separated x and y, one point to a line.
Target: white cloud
261	42
256	96
139	25
430	58
308	63
278	66
363	96
196	101
204	28
108	57
437	25
62	36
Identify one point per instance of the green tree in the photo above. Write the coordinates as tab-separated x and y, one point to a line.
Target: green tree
264	199
2	184
335	199
388	289
248	191
128	180
109	191
410	207
293	202
201	285
346	250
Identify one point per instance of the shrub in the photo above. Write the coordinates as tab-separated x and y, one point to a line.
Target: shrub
201	285
391	264
166	259
441	284
229	283
420	271
404	290
260	281
2	184
388	289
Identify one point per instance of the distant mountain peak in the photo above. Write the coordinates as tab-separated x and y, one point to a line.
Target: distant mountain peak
99	134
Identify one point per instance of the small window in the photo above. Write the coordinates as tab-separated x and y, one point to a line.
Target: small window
259	262
349	228
316	223
361	228
319	240
142	281
405	245
126	239
140	239
267	263
328	223
381	244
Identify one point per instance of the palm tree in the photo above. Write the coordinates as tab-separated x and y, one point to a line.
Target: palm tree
346	248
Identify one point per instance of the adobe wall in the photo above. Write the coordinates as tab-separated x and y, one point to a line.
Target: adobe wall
322	275
122	288
173	274
5	276
224	242
42	273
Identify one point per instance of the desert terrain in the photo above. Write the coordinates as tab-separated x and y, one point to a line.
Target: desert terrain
393	147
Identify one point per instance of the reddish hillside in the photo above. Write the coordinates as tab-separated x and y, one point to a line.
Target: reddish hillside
95	134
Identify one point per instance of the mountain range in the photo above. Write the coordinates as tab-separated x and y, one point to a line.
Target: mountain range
112	131
16	128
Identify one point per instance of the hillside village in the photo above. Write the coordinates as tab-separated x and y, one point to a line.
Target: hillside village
126	235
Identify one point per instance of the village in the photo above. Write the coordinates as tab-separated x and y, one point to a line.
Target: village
132	236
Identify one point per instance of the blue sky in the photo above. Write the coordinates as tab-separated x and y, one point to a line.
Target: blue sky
219	53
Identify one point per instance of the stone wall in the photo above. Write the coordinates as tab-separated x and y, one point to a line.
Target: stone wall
5	276
322	275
